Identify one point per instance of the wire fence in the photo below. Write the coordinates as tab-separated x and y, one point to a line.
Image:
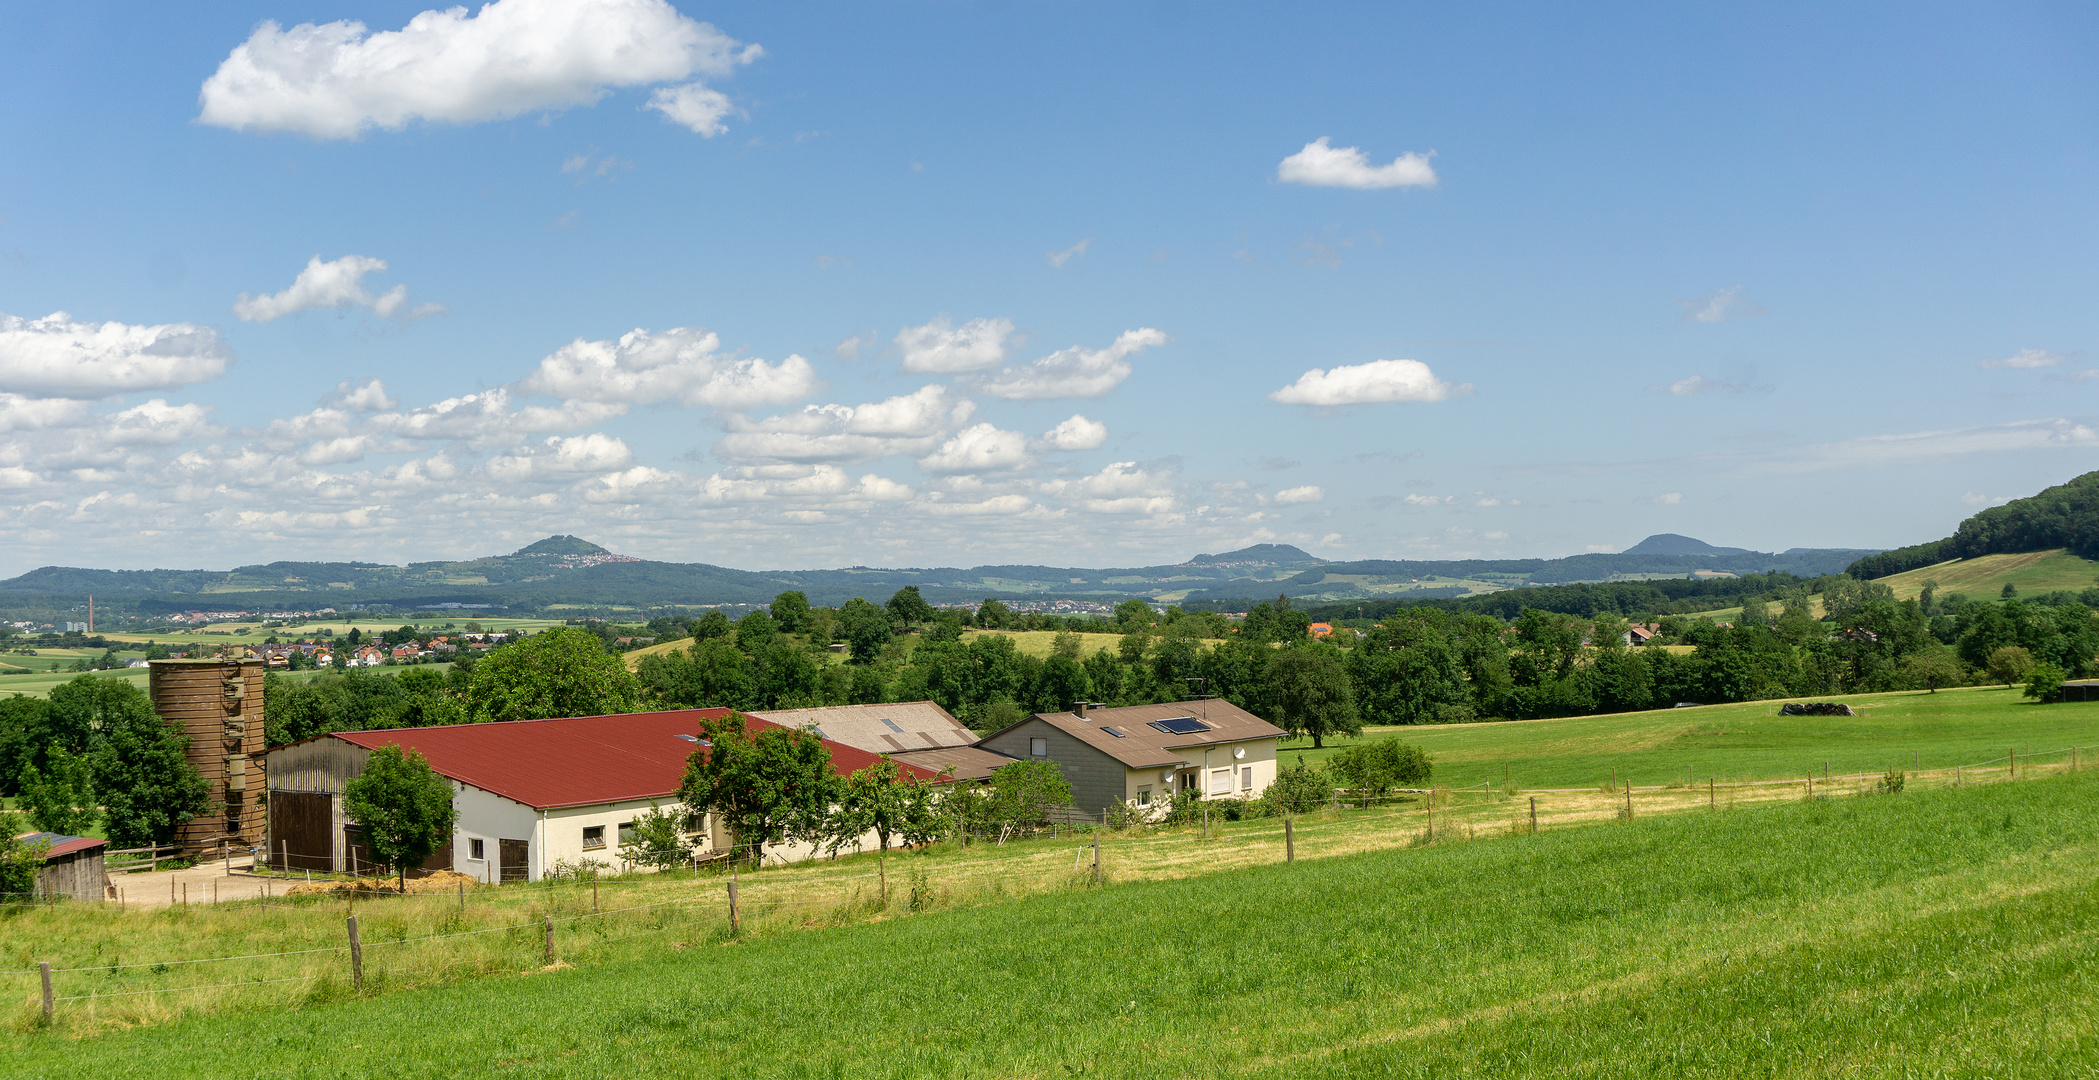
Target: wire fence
490	930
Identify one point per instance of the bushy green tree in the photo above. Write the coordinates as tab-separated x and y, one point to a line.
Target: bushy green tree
1376	767
20	862
1027	792
1933	667
562	672
791	610
147	785
2044	682
772	785
2009	664
60	797
656	839
866	629
1299	788
404	806
907	608
1306	691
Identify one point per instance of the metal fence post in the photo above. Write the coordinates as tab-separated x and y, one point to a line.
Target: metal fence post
356	958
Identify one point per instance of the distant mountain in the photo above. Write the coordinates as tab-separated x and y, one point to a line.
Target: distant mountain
1673	544
2064	516
579	576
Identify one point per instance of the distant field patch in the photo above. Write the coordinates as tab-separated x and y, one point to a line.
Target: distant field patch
1985	576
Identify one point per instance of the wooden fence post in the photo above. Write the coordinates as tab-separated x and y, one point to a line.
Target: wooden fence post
2014	759
550	940
1712	792
1534	815
734	926
593	892
1289	842
1628	800
462	898
44	969
1096	858
356	958
1206	823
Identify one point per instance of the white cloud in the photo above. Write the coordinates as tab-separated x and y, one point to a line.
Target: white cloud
1429	500
158	423
1364	384
2026	358
1669	498
1309	493
1074	372
366	395
682	364
1120	488
1699	384
1877	450
1059	258
338	80
996	506
486	419
1973	499
694	106
940	346
336	284
1320	164
1077	433
1720	306
907	424
563	456
977	449
19	413
1494	536
57	357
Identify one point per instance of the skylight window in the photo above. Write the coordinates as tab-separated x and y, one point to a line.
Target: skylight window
1112	731
688	738
1180	725
892	725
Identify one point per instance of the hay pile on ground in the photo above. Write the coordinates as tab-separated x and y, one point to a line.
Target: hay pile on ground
439	881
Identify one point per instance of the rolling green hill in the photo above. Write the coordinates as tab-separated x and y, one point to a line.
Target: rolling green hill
2065	516
1985	576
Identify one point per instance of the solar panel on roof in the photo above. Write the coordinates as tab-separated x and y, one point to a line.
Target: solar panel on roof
1180	725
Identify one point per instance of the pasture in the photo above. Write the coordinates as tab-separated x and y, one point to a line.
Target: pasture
1984	577
1942	932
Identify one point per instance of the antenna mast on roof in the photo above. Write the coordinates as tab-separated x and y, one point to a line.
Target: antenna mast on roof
1202	695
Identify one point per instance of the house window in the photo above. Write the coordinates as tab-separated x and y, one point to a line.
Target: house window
1038	747
1144	796
695	823
626	832
474	850
1246	778
1221	782
593	837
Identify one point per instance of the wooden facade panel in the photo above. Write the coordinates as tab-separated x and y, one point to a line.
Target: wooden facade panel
191	696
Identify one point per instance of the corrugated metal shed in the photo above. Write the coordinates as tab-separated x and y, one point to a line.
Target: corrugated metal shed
578	761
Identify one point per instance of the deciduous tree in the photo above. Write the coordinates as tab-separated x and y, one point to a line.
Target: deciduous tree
404	806
773	785
562	672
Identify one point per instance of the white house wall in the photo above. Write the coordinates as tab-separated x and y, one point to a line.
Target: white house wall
1205	762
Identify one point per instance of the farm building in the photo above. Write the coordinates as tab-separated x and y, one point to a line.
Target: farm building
917	733
1142	754
72	866
530	794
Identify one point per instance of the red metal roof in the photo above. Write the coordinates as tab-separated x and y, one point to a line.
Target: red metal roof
62	844
581	760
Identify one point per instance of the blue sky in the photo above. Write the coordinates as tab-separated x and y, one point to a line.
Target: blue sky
1771	276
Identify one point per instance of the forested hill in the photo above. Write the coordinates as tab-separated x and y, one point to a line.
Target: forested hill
2064	516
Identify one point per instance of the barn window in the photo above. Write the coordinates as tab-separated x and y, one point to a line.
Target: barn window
1246	778
474	850
626	832
1038	747
593	837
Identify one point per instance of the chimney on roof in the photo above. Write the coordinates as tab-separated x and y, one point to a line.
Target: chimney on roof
1080	708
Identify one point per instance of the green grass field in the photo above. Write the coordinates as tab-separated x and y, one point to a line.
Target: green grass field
1749	741
1984	577
1943	933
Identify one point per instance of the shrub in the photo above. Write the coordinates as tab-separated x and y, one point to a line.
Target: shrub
1377	767
2044	682
1298	789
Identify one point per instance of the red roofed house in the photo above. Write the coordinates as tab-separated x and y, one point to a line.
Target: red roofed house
530	794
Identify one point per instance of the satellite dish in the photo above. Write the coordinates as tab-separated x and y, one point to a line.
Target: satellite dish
1239	751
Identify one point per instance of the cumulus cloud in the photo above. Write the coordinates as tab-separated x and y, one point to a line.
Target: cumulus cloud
1309	493
335	284
1972	499
1429	500
1077	433
1320	164
337	80
1120	488
158	423
1669	498
57	357
1371	383
683	364
978	448
486	419
561	456
1074	372
20	413
1059	258
365	395
907	424
2026	359
1721	306
942	347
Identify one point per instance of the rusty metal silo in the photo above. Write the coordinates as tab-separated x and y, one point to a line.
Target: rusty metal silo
218	704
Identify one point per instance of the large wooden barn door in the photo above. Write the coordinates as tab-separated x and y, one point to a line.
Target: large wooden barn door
514	864
299	833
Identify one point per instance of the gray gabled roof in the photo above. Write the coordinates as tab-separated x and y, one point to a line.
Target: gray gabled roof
1127	734
895	728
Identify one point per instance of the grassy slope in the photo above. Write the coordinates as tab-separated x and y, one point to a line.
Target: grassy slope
1940	933
1749	741
1984	577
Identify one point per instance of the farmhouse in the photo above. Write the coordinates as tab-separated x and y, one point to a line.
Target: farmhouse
917	733
1141	754
531	794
